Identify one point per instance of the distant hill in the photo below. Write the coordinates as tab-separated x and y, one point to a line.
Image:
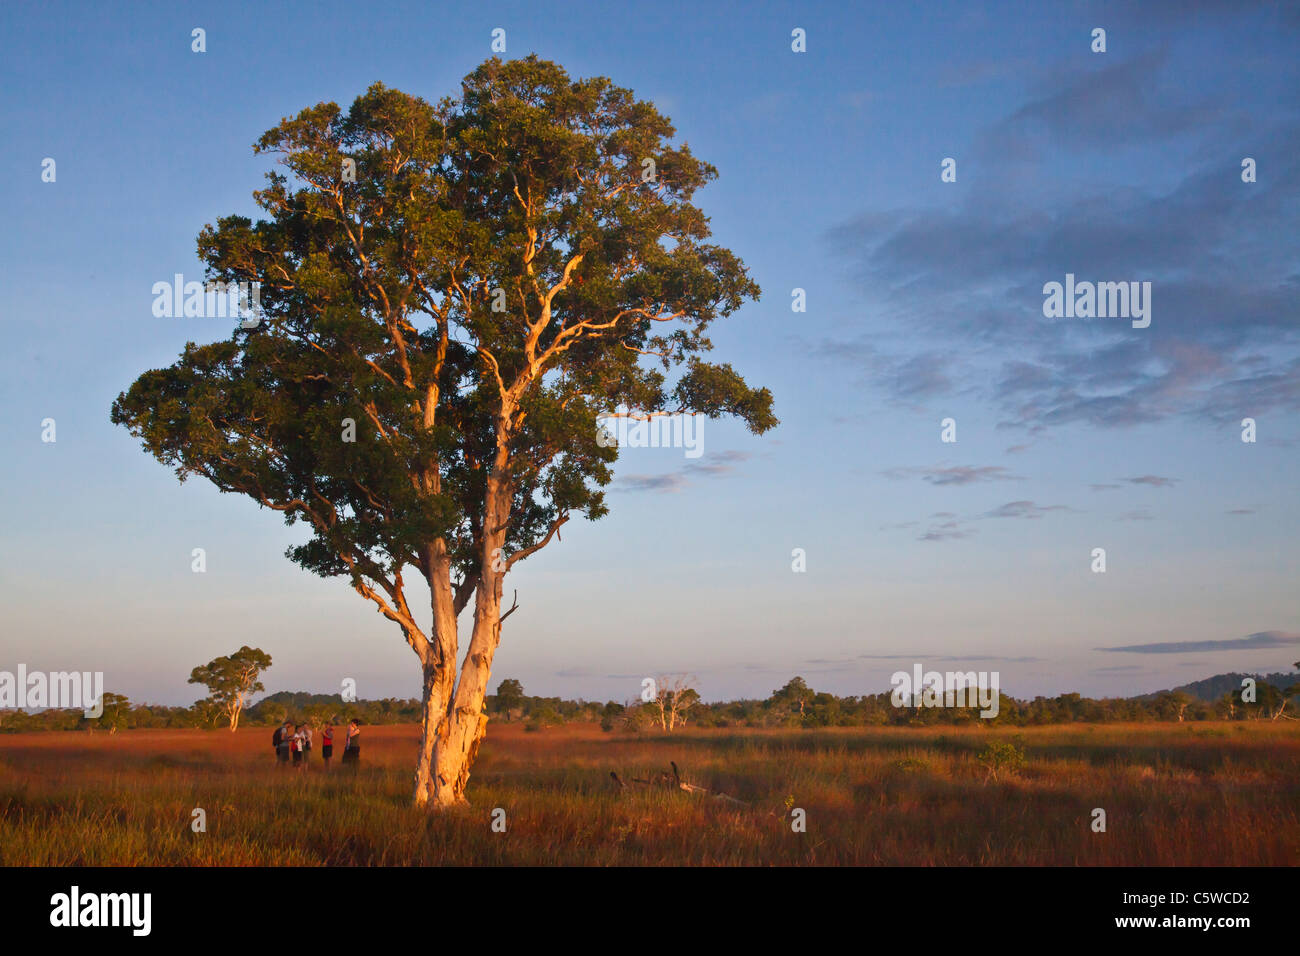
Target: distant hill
294	699
298	698
1213	688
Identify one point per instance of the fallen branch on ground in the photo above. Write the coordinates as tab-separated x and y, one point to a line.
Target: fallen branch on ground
674	781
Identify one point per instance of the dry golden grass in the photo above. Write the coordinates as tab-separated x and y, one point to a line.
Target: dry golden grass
1195	794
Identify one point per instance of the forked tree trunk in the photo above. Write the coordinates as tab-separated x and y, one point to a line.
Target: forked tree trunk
465	721
455	719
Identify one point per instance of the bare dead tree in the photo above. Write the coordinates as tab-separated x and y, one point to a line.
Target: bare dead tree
674	696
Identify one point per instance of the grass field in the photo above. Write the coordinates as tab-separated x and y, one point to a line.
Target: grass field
1174	794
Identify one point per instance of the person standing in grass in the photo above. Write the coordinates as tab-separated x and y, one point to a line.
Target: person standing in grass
297	745
327	744
284	743
306	743
352	750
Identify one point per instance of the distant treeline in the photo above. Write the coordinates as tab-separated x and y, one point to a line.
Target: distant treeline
794	705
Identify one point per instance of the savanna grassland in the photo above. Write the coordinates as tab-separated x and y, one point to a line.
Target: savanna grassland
1209	793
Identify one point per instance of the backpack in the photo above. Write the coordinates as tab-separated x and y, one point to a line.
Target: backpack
275	737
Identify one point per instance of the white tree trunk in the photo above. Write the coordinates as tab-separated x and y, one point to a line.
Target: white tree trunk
455	718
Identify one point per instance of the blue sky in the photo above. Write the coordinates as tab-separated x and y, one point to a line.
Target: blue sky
924	301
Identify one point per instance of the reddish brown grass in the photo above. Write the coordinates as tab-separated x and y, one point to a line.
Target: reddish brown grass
1208	793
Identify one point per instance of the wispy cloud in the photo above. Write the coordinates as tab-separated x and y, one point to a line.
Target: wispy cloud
1023	509
955	475
947	531
671	482
950	658
1111	105
948	526
1262	640
713	466
1155	481
965	278
719	464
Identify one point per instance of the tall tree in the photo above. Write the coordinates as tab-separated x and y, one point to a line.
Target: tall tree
451	295
510	696
231	680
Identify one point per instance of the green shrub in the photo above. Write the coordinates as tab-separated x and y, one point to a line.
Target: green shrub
544	716
1002	756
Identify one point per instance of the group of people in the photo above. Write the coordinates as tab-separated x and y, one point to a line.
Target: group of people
293	742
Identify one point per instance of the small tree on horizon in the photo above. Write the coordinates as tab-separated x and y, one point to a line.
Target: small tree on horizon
1174	703
1276	699
510	696
116	714
231	680
674	696
796	695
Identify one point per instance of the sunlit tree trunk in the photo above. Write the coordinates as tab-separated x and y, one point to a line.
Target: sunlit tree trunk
455	722
439	667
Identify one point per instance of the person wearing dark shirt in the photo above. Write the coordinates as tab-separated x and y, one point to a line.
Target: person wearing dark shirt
352	749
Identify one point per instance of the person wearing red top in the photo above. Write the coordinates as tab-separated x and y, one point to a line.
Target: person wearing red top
327	744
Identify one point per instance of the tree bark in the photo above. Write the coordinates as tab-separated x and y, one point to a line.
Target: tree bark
455	716
454	725
439	665
432	720
466	720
